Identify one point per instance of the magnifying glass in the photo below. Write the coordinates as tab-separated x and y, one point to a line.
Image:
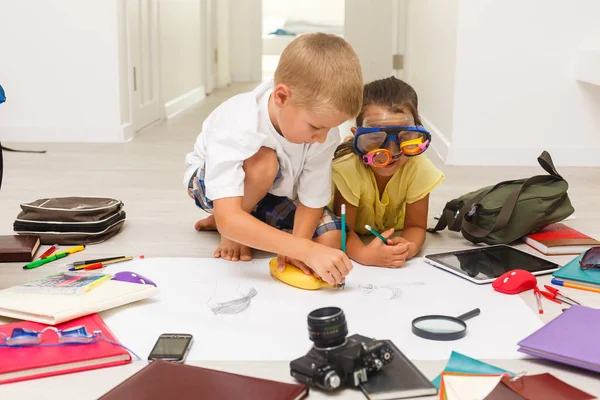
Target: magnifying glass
442	327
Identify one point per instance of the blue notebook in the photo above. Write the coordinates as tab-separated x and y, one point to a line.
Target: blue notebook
573	273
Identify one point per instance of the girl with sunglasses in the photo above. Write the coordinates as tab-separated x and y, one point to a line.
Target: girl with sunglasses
382	176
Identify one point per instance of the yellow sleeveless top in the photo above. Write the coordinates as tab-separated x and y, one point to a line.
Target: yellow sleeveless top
356	183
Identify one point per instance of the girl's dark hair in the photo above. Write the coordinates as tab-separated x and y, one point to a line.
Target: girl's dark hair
390	93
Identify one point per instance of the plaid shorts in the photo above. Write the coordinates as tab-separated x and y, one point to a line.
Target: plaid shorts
274	210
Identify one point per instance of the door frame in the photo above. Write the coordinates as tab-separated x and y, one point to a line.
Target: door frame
207	45
128	124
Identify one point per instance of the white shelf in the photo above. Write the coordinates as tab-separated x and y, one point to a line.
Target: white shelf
586	66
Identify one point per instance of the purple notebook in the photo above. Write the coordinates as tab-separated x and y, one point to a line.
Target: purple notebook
571	338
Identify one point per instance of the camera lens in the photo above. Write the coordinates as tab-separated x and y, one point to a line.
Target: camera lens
327	327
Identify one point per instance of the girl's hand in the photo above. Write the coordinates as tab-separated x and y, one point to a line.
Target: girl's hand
390	255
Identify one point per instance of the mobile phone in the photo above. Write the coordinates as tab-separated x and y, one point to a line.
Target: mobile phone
171	347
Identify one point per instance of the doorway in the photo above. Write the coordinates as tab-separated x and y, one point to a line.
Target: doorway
142	44
284	20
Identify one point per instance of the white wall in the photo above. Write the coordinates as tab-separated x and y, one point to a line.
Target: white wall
180	60
497	81
59	67
369	28
515	91
430	64
246	40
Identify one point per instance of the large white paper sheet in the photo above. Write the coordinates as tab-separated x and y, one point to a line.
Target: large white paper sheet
270	320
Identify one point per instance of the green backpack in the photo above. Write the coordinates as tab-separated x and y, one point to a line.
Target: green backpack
503	213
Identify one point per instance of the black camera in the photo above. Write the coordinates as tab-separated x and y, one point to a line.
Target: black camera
335	359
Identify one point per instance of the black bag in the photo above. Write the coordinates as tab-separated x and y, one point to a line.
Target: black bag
503	213
71	220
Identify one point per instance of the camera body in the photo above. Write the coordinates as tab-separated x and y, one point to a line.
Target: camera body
336	360
347	365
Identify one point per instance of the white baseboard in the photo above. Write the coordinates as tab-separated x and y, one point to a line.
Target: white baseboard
128	132
580	157
60	134
439	142
183	102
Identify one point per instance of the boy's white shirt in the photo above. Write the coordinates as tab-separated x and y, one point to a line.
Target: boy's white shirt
236	130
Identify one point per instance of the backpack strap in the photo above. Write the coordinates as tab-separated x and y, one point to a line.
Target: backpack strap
475	233
452	216
546	162
449	217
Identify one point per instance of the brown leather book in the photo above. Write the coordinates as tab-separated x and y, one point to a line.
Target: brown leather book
166	380
16	248
545	386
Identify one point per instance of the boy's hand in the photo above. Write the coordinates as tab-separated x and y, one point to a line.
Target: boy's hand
331	265
390	255
283	260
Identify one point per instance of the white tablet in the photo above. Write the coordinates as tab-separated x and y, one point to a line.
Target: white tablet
485	264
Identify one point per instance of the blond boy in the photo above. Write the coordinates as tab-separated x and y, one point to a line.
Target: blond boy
262	164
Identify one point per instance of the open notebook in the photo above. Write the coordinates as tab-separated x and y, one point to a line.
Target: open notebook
54	309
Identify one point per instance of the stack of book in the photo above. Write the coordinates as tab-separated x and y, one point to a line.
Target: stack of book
467	378
572	274
560	239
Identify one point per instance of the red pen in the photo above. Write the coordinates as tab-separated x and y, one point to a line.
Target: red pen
550	296
539	300
558	294
89	267
49	251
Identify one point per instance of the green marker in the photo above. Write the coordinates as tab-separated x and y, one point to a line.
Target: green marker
374	232
39	263
344	228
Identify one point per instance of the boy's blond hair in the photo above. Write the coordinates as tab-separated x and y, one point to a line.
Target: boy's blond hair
323	72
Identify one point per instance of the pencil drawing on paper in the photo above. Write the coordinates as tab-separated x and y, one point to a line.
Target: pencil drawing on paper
369	289
234	306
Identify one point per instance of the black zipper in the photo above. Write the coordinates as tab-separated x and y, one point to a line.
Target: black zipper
35	226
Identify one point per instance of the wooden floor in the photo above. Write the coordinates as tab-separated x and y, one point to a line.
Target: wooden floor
147	175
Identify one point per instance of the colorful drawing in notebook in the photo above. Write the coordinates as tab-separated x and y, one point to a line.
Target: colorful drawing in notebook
72	283
55	305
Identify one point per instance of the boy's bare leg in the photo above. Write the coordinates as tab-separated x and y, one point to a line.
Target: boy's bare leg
261	170
331	239
206	224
